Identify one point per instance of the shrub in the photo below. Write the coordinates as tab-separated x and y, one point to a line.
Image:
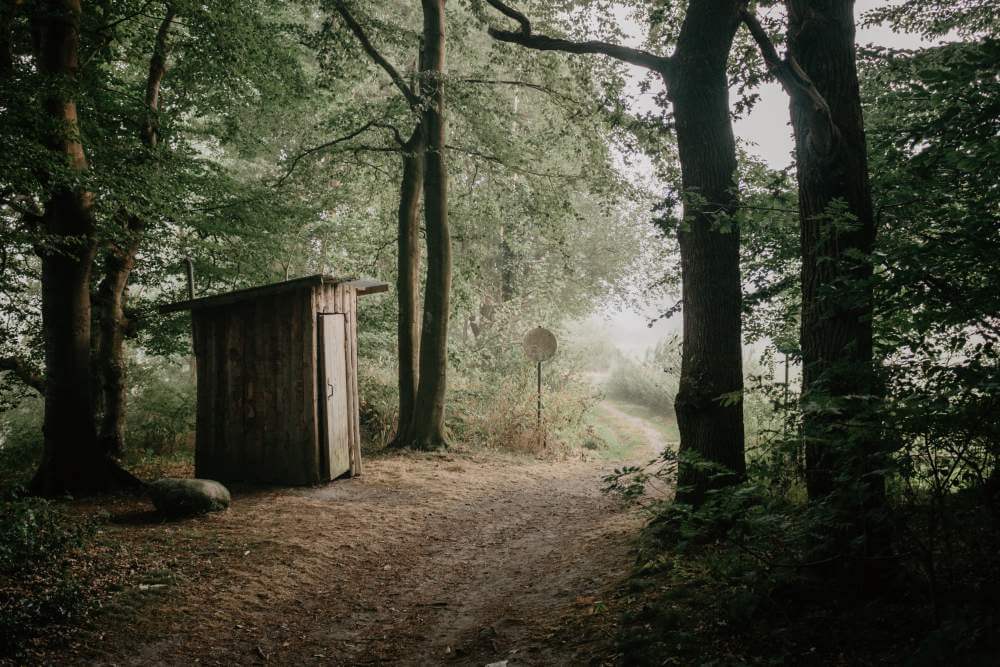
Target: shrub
161	408
38	585
20	441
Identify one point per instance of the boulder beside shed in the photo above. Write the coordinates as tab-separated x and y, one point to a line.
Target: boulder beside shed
277	371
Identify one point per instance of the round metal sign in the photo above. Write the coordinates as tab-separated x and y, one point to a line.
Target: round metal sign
540	344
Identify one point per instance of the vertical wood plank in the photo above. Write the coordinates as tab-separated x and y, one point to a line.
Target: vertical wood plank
251	425
309	373
334	422
272	464
219	467
204	428
341	306
236	469
354	402
289	371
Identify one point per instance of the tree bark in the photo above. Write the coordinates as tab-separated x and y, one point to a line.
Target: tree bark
71	462
837	236
119	260
112	293
421	424
408	281
428	418
709	404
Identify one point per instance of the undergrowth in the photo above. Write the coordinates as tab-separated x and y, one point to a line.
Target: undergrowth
44	573
738	581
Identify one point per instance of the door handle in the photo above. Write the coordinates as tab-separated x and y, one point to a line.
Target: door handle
330	387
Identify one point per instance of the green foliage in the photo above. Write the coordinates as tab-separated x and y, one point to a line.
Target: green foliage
39	587
161	408
758	575
744	578
20	442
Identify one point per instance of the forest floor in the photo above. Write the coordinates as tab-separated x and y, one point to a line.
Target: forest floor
465	558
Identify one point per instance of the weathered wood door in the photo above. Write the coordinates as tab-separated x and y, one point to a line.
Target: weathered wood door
333	393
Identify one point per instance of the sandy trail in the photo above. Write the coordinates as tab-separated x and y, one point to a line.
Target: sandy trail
458	559
655	440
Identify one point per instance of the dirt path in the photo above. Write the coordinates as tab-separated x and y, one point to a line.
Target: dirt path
654	438
462	559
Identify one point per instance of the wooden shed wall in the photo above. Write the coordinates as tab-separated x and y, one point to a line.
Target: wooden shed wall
257	406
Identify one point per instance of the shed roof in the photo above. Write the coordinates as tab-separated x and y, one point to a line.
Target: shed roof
363	286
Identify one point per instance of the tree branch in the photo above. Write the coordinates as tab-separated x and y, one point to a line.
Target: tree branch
523	84
792	78
110	26
395	133
328	144
157	70
500	161
412	98
24	371
525	37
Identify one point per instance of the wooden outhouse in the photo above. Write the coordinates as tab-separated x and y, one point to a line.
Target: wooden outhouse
278	381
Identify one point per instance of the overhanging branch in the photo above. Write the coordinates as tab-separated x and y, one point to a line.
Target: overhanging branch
328	144
526	38
795	81
412	98
24	371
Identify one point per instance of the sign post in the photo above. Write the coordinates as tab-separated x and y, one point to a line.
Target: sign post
539	346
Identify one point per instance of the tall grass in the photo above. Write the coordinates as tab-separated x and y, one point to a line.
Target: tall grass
651	382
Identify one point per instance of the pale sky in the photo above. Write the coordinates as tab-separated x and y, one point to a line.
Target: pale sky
767	129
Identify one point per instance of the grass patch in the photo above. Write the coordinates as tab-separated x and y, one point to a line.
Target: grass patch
613	437
664	424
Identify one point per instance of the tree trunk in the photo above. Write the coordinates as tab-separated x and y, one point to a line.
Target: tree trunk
408	280
840	393
119	260
71	459
709	404
112	293
428	419
837	234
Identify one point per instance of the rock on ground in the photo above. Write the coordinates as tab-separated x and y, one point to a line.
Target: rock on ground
177	497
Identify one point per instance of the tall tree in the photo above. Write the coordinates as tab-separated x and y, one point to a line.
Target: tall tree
413	184
408	279
119	260
428	415
72	461
709	403
837	230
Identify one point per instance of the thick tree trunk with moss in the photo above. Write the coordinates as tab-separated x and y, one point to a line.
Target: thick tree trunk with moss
72	461
408	281
709	402
837	235
428	418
